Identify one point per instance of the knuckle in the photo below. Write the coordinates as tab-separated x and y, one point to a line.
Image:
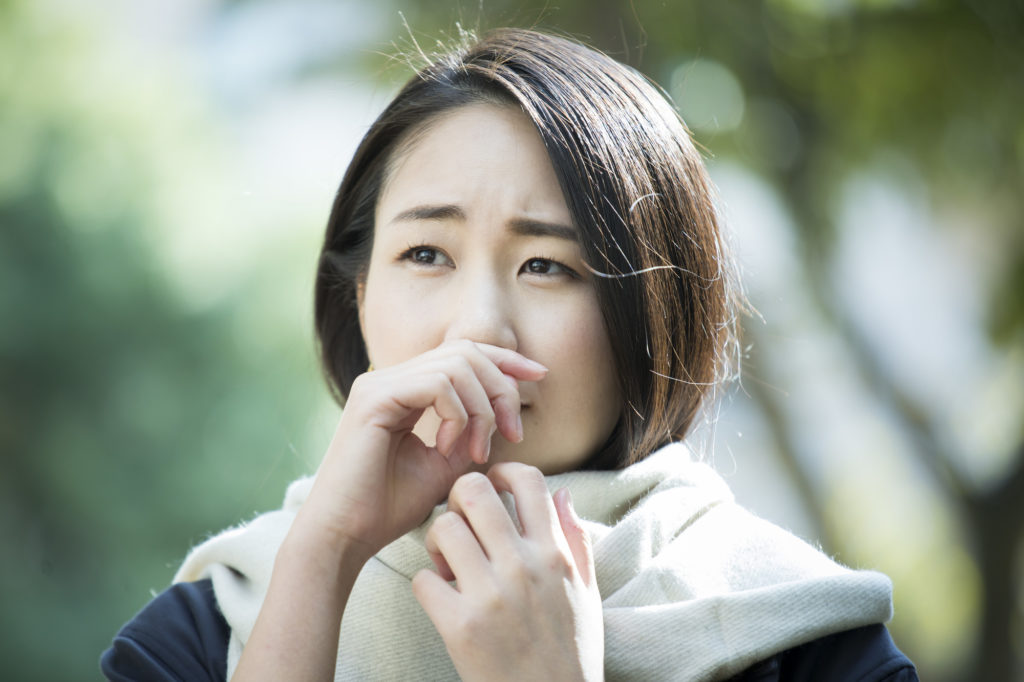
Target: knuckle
556	562
467	627
485	412
490	604
362	385
441	381
448	519
461	418
527	473
464	346
445	523
508	391
519	572
358	382
538	568
523	470
493	603
471	484
516	564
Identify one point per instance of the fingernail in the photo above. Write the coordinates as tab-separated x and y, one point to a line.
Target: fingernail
519	428
563	499
537	365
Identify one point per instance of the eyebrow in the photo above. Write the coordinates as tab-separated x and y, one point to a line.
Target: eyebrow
524	227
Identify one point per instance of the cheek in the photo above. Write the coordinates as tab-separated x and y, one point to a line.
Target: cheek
588	388
394	324
599	376
587	333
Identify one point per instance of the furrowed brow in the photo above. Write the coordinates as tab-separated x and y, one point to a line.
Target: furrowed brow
427	212
538	228
523	227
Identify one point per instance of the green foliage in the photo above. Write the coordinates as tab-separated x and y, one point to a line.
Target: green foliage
130	424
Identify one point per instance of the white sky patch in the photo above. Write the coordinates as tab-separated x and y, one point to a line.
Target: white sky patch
919	298
259	146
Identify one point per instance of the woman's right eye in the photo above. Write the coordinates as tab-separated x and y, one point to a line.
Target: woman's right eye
425	255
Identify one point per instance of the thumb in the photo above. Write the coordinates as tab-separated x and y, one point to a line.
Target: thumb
579	541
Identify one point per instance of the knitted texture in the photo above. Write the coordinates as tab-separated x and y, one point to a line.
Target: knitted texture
694	587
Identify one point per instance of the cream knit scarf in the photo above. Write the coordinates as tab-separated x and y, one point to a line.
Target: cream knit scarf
694	587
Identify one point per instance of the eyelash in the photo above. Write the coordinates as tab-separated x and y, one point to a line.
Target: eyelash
410	253
551	261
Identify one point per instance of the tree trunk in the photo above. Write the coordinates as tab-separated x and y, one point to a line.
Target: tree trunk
996	524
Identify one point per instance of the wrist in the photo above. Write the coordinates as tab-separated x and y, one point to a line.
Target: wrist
324	549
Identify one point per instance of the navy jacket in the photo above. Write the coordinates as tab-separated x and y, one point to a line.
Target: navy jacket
181	635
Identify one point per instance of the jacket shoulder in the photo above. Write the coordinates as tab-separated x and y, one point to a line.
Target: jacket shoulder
179	635
866	654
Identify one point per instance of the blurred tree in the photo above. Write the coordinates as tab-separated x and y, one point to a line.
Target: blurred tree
129	421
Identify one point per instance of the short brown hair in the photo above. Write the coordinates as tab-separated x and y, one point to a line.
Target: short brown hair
637	192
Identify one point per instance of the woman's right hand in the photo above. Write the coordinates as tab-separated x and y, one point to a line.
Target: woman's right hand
378	479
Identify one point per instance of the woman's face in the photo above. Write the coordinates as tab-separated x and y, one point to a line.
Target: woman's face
474	241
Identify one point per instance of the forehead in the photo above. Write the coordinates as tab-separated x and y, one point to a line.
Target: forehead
475	154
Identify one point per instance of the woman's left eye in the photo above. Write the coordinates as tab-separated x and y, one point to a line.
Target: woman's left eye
426	256
545	266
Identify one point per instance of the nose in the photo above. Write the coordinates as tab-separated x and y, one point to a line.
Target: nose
482	310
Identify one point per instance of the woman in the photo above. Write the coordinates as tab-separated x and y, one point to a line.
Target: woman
525	255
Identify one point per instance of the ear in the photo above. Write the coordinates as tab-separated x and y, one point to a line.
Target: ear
360	296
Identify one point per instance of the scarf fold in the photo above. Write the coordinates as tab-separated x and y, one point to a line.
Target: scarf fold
693	586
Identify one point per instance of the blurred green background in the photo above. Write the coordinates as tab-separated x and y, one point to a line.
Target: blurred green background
166	169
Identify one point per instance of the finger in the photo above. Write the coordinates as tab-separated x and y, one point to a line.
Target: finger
477	403
436	390
533	501
502	388
512	363
401	398
490	400
514	368
443	569
579	541
435	596
452	539
474	498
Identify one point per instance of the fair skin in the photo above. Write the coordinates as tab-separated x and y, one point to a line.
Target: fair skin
493	367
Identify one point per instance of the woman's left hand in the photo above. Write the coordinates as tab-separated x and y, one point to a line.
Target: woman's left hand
525	606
